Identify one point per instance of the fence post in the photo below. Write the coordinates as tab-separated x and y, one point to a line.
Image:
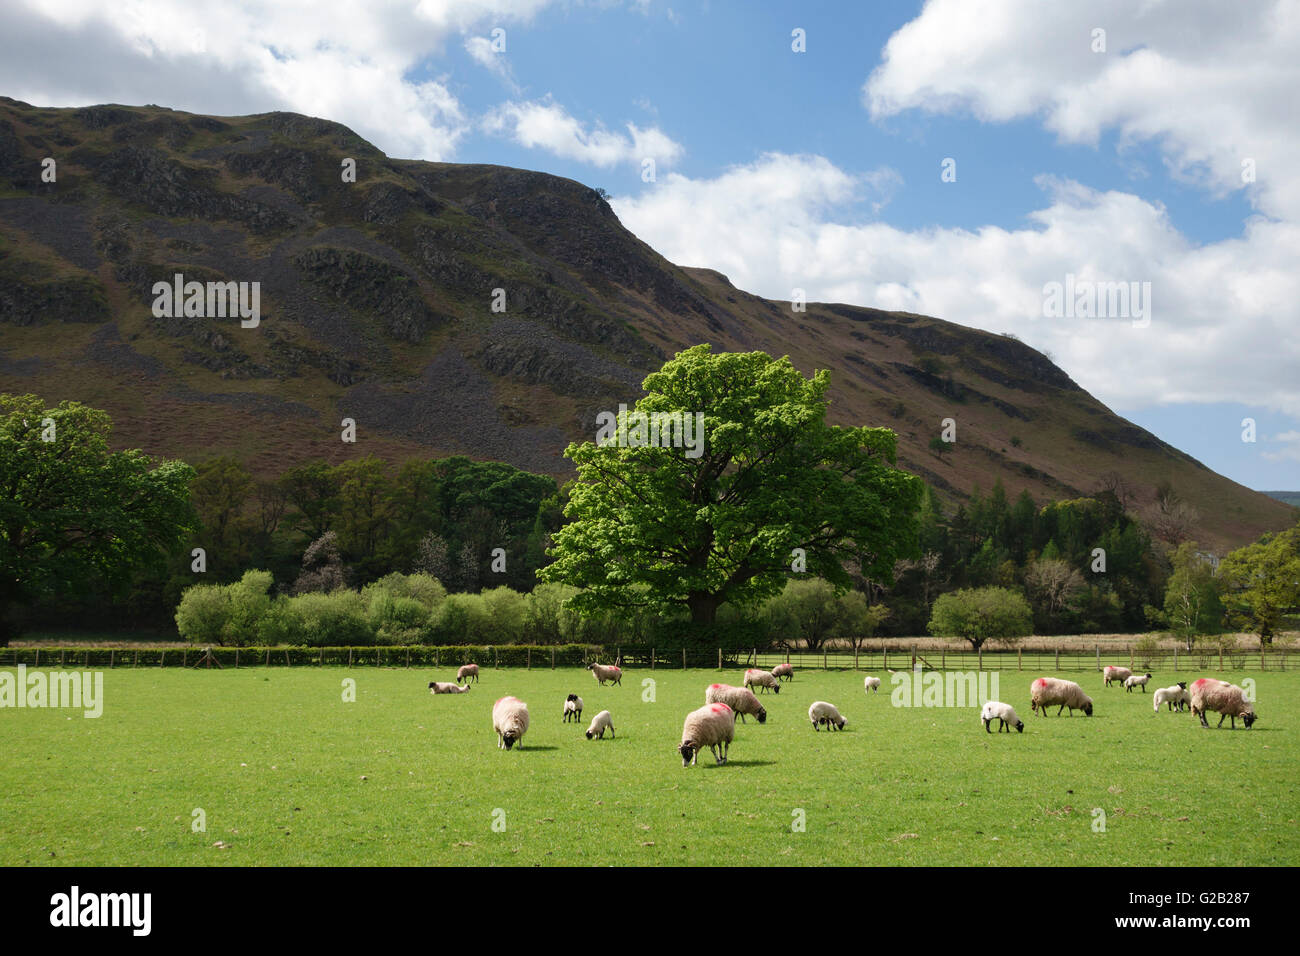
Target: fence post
529	664
1098	657
349	657
719	658
884	649
321	661
1220	657
1058	658
494	656
552	657
268	657
652	658
38	658
1175	658
943	658
683	657
825	666
408	657
1130	656
855	657
237	658
1019	666
979	656
111	652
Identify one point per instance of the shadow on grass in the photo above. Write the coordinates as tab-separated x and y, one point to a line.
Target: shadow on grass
739	763
530	748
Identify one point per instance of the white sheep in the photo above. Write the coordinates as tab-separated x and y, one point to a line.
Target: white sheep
823	713
1115	673
871	684
1136	681
599	724
1175	696
572	708
712	726
763	679
783	672
603	673
510	721
438	687
1046	691
1004	713
1226	700
739	699
467	671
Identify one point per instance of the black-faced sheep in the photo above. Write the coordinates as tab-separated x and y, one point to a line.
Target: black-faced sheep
1111	673
599	724
438	687
783	672
467	671
763	679
510	721
1005	714
1136	681
1174	696
740	699
1048	691
572	708
1226	700
712	726
603	673
820	712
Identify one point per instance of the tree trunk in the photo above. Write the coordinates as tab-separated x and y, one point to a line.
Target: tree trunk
703	607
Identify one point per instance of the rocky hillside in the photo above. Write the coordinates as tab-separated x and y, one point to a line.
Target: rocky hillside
376	296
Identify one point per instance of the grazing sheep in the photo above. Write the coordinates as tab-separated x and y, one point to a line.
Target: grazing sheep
1136	681
783	672
599	724
871	684
438	687
510	721
1046	691
572	708
603	673
467	671
1111	673
739	699
1226	700
712	726
823	713
1175	696
1004	713
763	679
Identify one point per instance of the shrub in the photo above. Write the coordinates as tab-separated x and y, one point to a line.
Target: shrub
981	614
462	619
202	614
337	619
508	611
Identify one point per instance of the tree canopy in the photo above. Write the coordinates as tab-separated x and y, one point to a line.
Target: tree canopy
668	526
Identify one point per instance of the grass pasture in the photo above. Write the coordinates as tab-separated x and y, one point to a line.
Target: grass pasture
286	772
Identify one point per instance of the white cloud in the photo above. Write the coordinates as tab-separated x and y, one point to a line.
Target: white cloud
1213	83
548	126
1222	319
1290	450
365	67
482	51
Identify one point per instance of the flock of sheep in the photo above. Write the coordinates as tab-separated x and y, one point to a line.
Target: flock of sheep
713	726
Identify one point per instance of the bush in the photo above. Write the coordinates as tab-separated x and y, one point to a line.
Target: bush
463	619
982	614
337	619
202	614
424	588
508	611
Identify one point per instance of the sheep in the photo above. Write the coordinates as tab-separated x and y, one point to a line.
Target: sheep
1136	681
599	724
1004	713
572	708
467	671
1226	700
1114	673
871	684
739	699
438	687
510	721
1174	696
603	673
711	726
1047	691
763	679
783	672
823	713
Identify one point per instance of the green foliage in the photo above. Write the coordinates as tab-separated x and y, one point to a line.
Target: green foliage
1192	606
73	512
1261	582
202	614
699	532
337	619
982	614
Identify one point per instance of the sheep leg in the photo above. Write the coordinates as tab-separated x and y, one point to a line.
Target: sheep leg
1061	708
986	726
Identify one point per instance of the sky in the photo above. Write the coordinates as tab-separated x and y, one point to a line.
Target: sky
945	157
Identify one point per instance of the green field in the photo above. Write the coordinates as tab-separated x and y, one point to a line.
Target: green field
286	772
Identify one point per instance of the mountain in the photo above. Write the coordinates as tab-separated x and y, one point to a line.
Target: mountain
375	305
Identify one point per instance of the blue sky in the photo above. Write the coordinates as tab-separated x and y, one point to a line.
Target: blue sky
820	170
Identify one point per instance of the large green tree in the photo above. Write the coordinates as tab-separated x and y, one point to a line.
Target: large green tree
71	510
982	614
669	527
1261	583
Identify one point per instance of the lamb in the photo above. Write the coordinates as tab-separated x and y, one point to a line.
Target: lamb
599	724
823	713
438	687
1005	714
712	726
1226	700
572	708
603	673
1136	681
510	721
763	679
1174	696
739	699
1047	691
871	684
467	671
1111	673
783	672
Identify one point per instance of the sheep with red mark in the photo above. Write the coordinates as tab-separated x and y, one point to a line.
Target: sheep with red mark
763	679
783	672
1049	691
1226	700
604	673
1115	674
712	726
739	699
467	671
